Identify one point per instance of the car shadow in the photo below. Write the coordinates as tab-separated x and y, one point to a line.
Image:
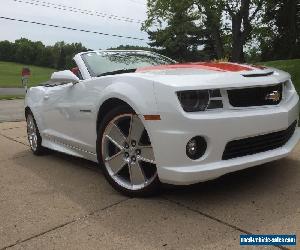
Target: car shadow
243	180
261	177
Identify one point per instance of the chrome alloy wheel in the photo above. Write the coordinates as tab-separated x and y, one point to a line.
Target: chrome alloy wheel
32	133
127	152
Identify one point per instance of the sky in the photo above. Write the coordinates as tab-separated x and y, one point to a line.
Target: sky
21	9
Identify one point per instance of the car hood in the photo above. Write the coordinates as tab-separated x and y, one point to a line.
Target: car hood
212	75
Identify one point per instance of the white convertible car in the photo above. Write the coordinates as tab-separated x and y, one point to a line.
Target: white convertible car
148	120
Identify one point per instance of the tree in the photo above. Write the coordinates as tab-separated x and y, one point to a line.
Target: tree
46	58
59	56
180	37
63	54
242	14
7	51
211	12
25	51
284	40
39	49
61	63
71	50
214	19
131	47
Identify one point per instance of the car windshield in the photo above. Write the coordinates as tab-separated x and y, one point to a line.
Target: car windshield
109	62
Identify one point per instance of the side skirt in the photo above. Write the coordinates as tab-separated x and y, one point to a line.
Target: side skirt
68	149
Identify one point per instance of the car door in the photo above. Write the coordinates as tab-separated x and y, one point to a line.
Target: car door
69	115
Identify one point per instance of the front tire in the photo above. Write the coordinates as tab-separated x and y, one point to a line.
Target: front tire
33	135
126	154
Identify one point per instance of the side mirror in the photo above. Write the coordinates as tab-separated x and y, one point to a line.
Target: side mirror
65	76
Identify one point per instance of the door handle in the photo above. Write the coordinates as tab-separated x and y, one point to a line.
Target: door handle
46	97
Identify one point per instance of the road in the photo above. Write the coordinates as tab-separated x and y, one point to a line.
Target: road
60	202
12	91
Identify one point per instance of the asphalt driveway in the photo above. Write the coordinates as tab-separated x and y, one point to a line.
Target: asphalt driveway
60	202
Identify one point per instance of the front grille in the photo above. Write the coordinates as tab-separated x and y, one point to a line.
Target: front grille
258	96
258	144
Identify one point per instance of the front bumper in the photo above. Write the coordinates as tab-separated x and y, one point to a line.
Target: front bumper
170	136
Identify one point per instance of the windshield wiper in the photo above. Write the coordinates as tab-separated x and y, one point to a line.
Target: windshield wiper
116	72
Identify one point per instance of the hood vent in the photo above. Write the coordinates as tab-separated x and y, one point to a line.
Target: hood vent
259	74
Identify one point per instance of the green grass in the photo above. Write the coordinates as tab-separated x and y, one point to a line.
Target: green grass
10	75
291	66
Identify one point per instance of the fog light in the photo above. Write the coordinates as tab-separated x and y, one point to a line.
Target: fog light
196	147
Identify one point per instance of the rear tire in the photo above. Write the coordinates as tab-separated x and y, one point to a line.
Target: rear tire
125	153
33	135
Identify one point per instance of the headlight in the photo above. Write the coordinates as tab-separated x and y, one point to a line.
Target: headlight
200	100
193	101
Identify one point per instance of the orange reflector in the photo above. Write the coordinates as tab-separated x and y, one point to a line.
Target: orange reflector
152	117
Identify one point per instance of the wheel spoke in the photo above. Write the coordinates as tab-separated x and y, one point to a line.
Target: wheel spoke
34	143
116	136
137	176
116	162
32	133
136	128
30	125
147	154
